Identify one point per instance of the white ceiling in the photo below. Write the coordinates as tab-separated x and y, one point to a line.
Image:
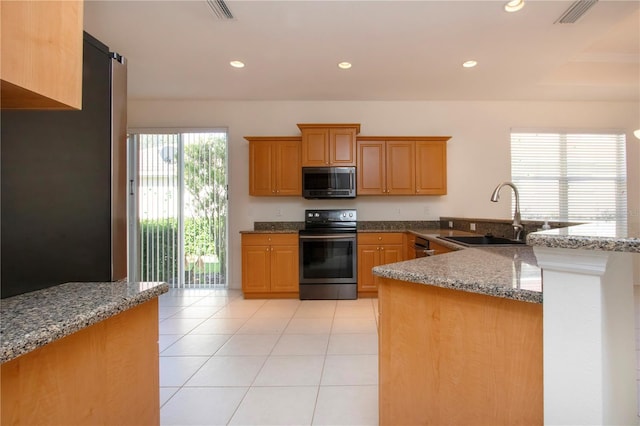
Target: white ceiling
400	50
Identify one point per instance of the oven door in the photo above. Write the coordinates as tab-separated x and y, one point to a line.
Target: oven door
328	258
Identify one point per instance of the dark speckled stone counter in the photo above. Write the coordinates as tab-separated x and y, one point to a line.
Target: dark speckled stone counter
507	272
31	320
595	236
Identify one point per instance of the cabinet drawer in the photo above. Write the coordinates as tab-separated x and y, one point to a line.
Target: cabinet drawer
269	239
380	238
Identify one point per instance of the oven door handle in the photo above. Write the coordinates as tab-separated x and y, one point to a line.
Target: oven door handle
326	237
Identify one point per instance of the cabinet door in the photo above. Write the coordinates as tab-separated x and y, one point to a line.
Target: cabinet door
400	168
42	54
315	147
371	168
368	257
287	170
439	249
261	170
342	146
284	268
256	268
431	168
410	251
391	253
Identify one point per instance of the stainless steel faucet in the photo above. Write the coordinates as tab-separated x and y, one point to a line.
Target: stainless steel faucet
517	223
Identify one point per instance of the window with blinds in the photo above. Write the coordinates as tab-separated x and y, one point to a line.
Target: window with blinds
575	177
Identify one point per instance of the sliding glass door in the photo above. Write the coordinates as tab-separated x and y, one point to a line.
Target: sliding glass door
178	207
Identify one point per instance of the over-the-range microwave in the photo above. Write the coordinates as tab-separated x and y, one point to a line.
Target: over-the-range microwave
329	182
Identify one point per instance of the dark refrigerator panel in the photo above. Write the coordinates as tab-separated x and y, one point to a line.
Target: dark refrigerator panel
56	182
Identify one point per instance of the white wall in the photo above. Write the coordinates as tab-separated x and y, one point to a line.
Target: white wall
478	151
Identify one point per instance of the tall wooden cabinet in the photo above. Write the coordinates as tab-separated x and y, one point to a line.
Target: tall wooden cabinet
270	265
402	165
376	249
274	166
326	145
41	54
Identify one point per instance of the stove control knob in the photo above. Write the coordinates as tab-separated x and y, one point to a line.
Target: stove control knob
316	214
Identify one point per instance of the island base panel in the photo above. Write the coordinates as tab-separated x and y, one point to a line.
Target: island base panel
454	357
104	374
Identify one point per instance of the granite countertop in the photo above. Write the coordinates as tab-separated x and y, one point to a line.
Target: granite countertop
507	272
607	236
31	320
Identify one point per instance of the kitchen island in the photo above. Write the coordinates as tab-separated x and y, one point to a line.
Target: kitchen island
81	353
462	334
460	338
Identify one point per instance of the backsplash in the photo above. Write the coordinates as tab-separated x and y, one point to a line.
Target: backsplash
398	225
363	225
497	227
278	226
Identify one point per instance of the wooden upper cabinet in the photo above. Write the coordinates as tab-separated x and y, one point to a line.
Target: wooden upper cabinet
431	167
326	145
274	166
41	54
401	171
372	178
402	165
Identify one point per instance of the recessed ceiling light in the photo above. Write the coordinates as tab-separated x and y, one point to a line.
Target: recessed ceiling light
237	64
514	5
344	65
470	64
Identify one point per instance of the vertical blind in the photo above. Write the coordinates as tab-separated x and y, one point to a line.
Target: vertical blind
182	207
575	177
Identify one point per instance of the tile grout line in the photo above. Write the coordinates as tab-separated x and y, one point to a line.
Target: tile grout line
235	411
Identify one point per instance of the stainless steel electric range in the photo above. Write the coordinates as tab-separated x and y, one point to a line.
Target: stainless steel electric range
328	255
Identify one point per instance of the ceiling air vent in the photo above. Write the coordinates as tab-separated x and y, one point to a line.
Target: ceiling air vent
575	11
220	9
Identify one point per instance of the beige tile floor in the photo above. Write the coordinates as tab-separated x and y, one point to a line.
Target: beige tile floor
227	360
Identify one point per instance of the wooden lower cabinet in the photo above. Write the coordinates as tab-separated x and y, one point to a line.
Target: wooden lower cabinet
410	243
270	266
439	248
105	374
449	357
376	249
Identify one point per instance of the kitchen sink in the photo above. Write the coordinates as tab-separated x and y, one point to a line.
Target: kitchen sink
483	240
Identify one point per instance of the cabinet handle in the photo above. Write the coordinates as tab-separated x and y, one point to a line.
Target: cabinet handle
381	248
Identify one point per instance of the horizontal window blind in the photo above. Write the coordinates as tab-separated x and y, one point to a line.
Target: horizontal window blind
570	176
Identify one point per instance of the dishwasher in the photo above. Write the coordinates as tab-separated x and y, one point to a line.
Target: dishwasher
421	247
